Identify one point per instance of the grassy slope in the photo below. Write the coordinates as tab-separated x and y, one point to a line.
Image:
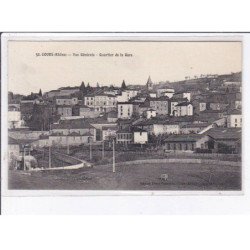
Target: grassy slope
137	177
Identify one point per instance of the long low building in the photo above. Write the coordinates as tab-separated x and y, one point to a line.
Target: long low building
186	142
80	126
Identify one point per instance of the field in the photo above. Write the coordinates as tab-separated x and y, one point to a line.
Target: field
132	177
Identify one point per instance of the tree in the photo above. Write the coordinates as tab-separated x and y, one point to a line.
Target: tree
40	92
97	85
82	87
123	87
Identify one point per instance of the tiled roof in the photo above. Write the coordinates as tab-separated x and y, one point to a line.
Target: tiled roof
183	138
224	133
234	112
183	104
72	124
175	99
196	125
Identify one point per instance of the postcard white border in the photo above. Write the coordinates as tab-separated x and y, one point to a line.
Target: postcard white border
31	194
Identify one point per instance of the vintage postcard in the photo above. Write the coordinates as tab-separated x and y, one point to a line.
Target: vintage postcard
122	113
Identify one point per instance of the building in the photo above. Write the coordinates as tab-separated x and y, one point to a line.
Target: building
173	102
157	127
160	105
71	139
80	126
13	149
165	92
101	102
140	136
234	119
125	110
14	117
184	109
112	116
202	106
65	100
228	83
149	84
183	95
150	113
225	140
124	136
109	132
67	91
85	111
65	110
189	142
127	95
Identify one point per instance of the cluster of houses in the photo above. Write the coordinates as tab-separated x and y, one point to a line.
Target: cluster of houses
187	120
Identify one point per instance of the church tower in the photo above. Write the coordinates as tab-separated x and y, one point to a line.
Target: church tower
149	84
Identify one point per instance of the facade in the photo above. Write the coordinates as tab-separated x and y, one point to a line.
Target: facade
183	95
184	109
13	148
124	136
72	139
234	119
85	111
186	142
140	136
160	105
154	127
109	132
172	104
101	102
150	113
14	117
202	106
225	140
125	110
80	126
66	101
112	116
126	95
64	111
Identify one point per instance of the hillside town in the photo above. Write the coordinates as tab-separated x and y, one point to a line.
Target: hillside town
201	114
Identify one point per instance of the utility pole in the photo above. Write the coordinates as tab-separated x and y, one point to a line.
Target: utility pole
23	160
49	156
113	155
103	149
90	149
67	144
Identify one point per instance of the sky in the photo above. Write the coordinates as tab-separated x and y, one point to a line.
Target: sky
163	61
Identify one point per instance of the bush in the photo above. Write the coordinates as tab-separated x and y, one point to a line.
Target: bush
204	151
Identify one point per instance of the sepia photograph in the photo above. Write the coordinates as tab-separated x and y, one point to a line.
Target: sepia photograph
135	115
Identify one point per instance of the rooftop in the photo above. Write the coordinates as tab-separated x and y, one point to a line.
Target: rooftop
224	133
183	138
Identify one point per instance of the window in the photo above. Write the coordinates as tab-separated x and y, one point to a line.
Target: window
180	146
174	146
235	120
